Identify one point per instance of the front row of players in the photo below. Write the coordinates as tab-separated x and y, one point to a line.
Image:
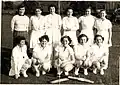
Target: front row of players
66	57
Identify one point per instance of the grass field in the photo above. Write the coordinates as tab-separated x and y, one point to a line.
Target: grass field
111	76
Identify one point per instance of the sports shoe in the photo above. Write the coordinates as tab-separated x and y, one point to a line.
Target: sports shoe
43	72
66	73
102	72
85	72
37	74
95	71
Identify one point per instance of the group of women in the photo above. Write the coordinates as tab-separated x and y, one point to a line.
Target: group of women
64	49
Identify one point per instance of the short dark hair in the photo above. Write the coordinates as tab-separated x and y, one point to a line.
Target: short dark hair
44	37
102	10
98	36
38	7
82	35
21	6
52	5
19	38
69	39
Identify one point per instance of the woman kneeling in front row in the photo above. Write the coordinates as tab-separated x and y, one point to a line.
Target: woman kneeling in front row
64	56
42	56
97	55
19	59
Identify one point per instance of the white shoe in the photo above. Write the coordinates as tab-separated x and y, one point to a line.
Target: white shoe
76	73
59	73
37	74
95	71
43	72
66	73
102	72
85	72
17	76
25	75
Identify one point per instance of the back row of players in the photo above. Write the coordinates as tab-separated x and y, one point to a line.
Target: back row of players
71	31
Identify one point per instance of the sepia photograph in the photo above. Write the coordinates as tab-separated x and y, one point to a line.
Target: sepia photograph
60	42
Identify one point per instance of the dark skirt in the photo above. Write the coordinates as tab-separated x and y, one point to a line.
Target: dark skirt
20	33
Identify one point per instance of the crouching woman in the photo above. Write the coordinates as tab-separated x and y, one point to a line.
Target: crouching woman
19	59
64	56
42	56
98	55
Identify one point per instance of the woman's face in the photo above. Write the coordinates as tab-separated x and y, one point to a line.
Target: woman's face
99	40
103	14
44	43
52	9
22	11
88	12
83	40
69	12
22	43
65	42
38	11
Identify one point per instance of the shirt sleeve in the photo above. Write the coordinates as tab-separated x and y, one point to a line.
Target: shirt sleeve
109	25
95	24
76	24
60	22
64	23
71	51
13	23
80	19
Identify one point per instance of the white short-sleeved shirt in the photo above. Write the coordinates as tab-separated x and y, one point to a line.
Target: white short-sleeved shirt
52	21
64	53
102	26
71	23
87	22
20	23
81	50
42	52
37	23
99	52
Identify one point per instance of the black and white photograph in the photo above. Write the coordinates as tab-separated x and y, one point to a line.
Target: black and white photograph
60	42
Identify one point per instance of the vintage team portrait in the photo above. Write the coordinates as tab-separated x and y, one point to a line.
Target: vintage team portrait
60	42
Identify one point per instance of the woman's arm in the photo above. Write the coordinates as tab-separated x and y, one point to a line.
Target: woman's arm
13	24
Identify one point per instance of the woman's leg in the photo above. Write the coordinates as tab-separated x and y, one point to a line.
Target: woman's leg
79	64
68	67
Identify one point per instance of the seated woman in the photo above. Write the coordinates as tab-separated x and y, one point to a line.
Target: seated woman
80	52
64	56
42	56
19	59
97	55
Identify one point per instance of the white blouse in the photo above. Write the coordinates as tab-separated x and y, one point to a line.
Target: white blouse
52	21
81	51
37	23
87	22
41	52
99	51
64	53
70	23
102	26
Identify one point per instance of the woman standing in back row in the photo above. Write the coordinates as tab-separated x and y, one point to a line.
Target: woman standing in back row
37	24
70	26
53	26
20	24
103	27
87	23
